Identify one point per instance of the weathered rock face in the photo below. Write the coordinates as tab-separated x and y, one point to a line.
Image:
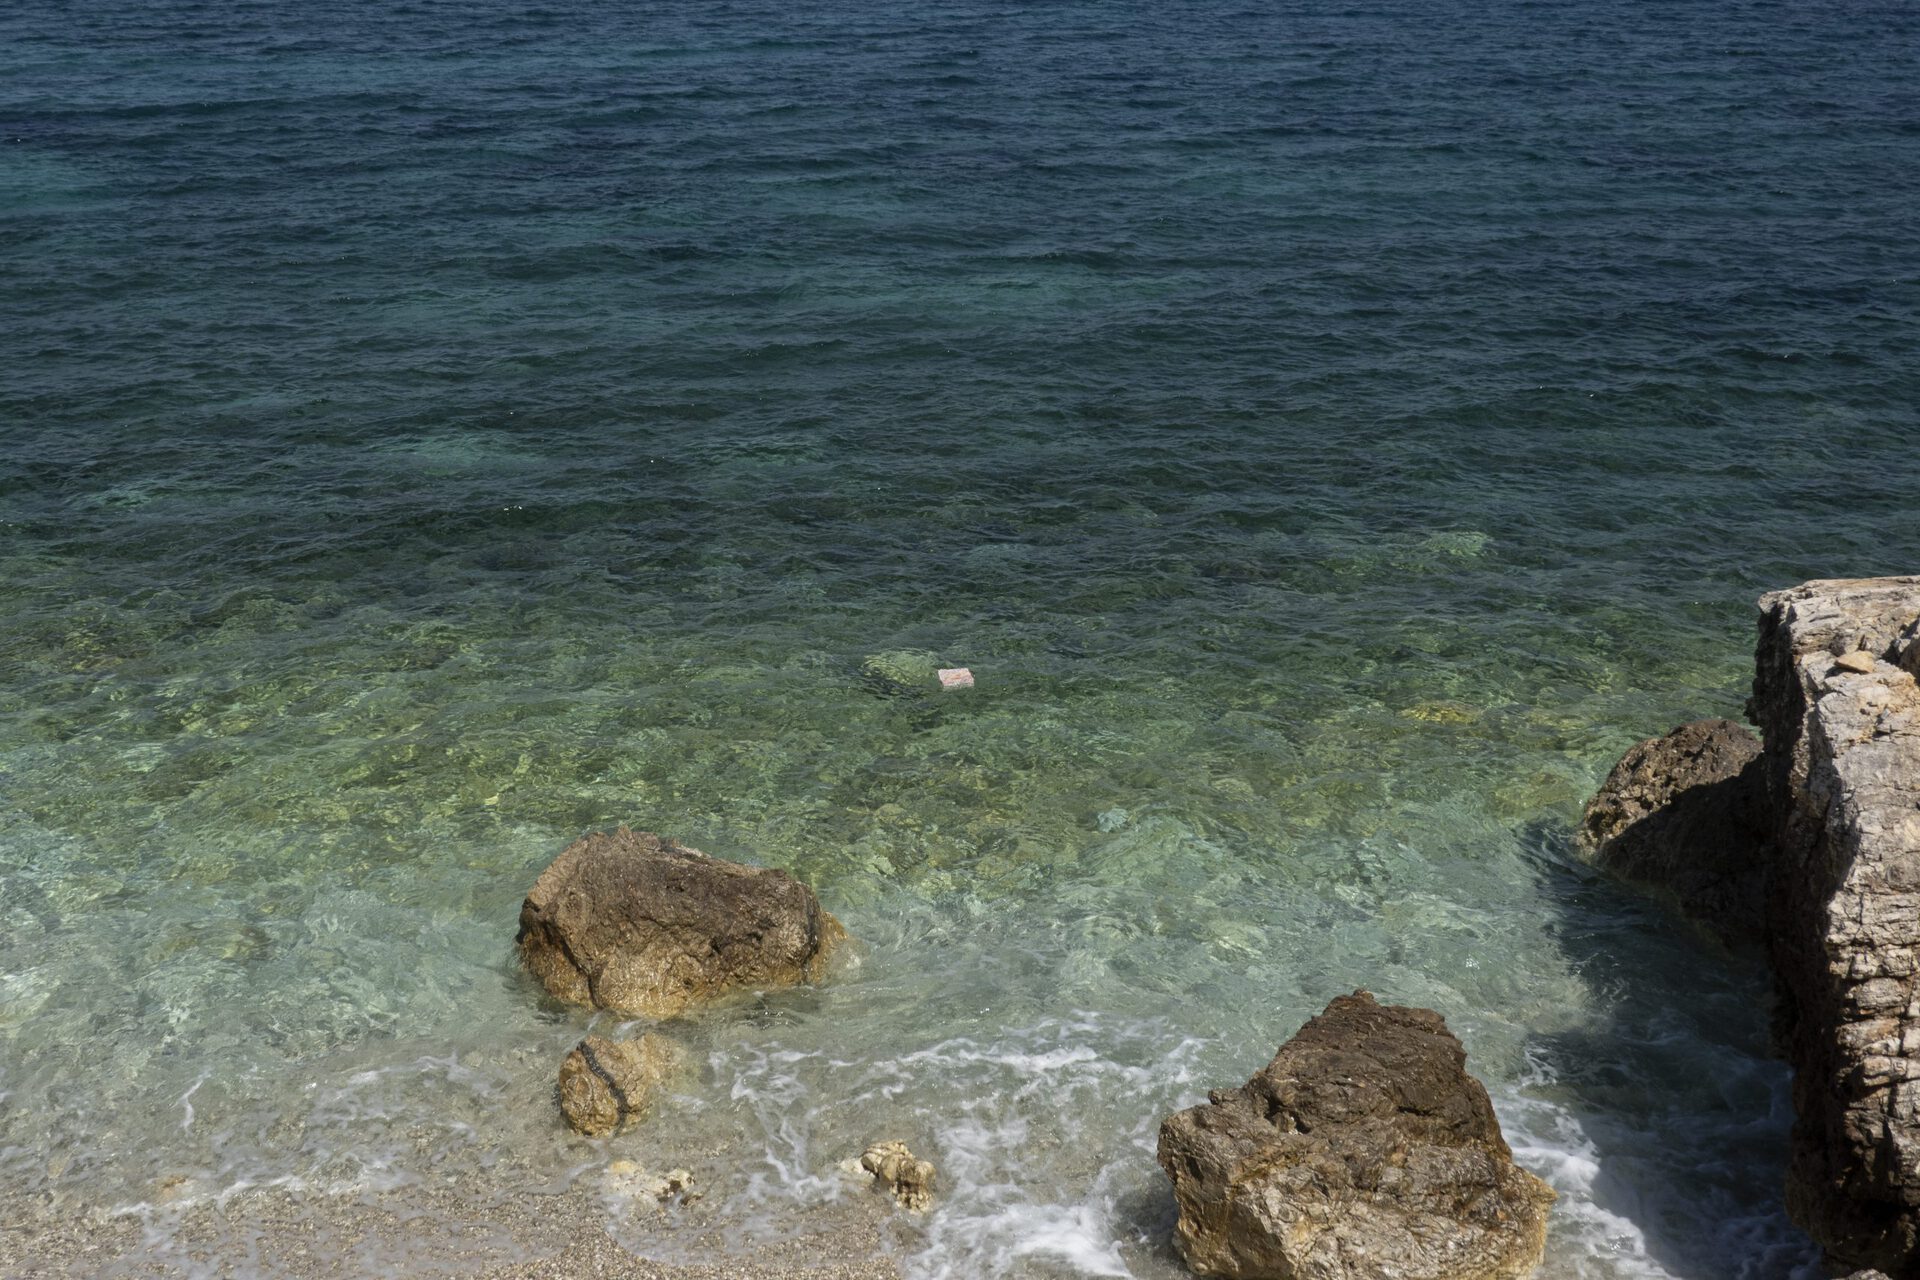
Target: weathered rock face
1835	694
627	921
1687	813
1364	1149
606	1085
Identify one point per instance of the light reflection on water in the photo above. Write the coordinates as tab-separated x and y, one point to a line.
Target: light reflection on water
1327	458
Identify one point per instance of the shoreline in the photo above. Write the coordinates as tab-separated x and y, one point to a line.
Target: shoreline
467	1225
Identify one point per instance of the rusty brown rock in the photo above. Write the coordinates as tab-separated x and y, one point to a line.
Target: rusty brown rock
1686	813
628	921
606	1085
1364	1150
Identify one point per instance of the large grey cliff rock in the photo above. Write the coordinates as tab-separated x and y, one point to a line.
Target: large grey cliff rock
1687	814
1835	695
1364	1150
627	921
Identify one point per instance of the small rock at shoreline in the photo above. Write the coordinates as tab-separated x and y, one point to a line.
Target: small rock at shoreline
895	1170
606	1085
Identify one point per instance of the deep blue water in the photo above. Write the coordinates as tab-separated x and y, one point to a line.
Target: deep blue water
1330	432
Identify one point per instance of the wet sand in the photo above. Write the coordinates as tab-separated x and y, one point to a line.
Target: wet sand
468	1227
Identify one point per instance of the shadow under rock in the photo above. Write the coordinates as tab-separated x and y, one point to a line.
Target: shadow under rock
1669	1110
1151	1212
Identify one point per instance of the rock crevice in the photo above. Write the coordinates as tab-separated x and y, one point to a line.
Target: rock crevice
1815	841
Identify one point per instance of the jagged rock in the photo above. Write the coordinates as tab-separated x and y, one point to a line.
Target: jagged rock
606	1085
895	1170
1843	771
1687	813
1363	1150
627	921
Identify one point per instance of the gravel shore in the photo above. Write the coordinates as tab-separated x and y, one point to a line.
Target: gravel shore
467	1227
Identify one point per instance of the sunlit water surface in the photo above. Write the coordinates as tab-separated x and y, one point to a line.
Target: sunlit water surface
1330	435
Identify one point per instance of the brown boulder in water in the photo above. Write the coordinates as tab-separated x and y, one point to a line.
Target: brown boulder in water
627	921
1363	1151
1687	814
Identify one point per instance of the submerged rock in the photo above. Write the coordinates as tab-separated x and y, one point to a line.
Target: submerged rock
896	1170
900	672
627	921
629	1181
1835	694
606	1085
1687	813
1363	1150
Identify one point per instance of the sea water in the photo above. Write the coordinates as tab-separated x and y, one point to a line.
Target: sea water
1329	432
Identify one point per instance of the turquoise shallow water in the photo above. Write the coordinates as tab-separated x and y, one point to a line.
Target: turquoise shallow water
1330	434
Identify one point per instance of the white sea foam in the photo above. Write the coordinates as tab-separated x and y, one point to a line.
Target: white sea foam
1079	1237
186	1101
1044	1135
1042	1138
1613	1218
1001	1212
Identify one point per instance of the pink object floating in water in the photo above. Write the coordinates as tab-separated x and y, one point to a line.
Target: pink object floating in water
956	678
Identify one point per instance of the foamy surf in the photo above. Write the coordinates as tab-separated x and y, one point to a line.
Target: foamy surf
1044	1135
1615	1216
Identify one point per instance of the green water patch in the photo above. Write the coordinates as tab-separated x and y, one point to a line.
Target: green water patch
288	824
1325	460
